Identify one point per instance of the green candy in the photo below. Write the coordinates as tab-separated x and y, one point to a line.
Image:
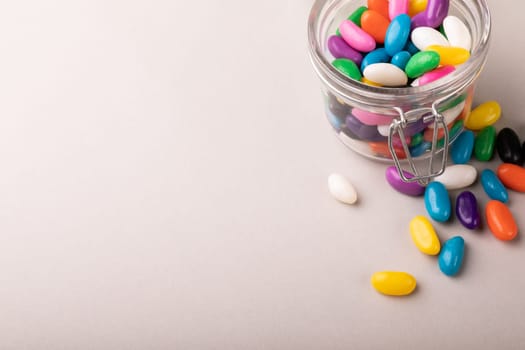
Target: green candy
454	130
453	103
484	144
416	139
422	62
355	17
348	68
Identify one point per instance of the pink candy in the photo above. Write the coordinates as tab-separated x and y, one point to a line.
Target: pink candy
435	74
369	118
397	7
356	37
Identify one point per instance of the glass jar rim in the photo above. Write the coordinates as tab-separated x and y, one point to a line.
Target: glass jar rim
385	98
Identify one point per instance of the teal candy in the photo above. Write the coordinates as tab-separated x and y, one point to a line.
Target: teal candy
451	256
401	59
462	148
493	186
377	56
420	149
397	34
437	201
411	48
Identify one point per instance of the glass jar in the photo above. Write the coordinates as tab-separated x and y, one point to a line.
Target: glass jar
394	117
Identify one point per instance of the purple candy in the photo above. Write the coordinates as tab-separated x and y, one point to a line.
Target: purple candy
433	16
411	189
416	127
467	210
362	131
340	49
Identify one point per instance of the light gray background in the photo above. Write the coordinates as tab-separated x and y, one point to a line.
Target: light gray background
163	186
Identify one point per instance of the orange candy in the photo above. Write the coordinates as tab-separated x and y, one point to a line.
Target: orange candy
375	24
429	133
381	149
380	6
500	221
512	176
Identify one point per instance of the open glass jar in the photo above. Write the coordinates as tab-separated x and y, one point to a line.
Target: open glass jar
381	123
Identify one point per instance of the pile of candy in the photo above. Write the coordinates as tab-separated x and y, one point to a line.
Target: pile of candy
509	175
382	45
393	44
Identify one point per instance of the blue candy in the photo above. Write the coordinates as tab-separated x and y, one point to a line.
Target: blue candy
401	59
377	56
461	149
451	256
420	149
493	186
336	122
437	201
397	34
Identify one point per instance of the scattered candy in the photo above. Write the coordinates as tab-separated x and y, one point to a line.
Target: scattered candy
484	144
462	148
500	221
483	115
424	235
493	186
512	176
457	176
451	256
342	189
509	147
408	188
393	283
437	202
467	210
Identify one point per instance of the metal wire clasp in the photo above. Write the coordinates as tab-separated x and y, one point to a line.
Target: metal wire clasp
398	126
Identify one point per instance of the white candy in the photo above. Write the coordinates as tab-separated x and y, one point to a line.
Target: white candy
458	176
415	83
342	189
385	74
450	114
384	130
457	32
423	37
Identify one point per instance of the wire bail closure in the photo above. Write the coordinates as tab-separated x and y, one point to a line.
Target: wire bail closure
398	126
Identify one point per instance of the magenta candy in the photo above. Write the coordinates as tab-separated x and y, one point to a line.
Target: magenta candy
433	16
410	189
340	49
356	37
369	118
435	74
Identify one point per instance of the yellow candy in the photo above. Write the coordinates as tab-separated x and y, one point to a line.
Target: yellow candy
393	283
483	115
369	82
416	6
450	56
424	235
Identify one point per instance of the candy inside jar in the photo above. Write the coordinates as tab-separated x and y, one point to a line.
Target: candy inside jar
381	61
